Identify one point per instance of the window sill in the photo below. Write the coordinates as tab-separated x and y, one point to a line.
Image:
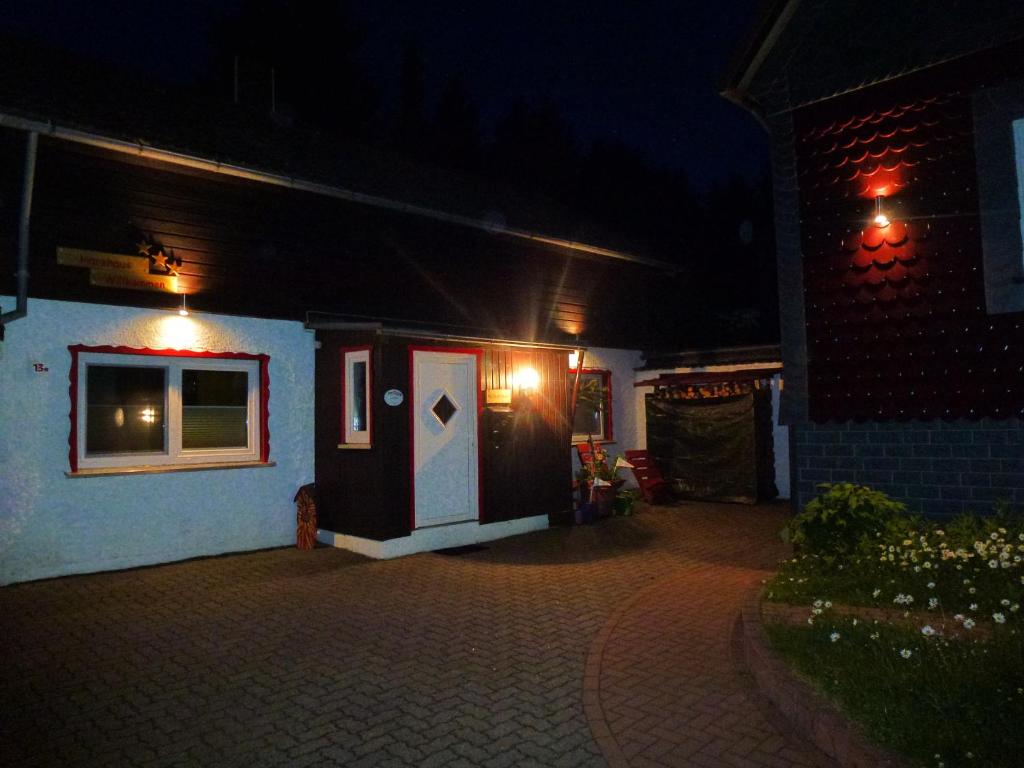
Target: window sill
162	470
354	446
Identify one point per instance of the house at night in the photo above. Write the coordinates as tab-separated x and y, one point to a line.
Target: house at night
401	339
897	136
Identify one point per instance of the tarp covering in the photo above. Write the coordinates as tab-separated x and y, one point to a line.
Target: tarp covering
716	449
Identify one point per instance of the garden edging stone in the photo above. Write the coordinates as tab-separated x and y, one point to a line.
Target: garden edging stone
810	713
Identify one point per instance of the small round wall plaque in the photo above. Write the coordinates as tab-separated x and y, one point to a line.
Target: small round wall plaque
394	397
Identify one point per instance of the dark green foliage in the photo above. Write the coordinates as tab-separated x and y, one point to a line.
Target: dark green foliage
841	519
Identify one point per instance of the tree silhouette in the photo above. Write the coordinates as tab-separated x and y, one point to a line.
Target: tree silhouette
308	48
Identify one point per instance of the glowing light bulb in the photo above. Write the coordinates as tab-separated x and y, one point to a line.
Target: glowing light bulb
183	311
881	220
528	378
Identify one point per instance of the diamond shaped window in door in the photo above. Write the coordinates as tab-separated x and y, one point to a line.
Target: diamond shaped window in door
444	409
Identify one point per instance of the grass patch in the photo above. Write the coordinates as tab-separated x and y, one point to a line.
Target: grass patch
940	702
941	679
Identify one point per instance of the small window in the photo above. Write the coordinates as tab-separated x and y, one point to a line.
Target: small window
356	411
593	417
140	410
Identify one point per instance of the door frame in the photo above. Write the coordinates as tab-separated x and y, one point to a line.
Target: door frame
478	352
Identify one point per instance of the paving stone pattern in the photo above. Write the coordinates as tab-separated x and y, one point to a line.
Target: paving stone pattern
289	658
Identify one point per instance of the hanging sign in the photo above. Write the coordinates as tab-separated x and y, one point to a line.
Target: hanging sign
111	262
394	397
145	282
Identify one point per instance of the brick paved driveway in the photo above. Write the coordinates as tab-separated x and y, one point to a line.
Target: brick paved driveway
318	658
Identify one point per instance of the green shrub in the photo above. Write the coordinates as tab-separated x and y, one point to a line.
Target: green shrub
843	517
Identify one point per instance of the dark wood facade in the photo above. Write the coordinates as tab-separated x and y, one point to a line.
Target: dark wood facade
255	249
524	449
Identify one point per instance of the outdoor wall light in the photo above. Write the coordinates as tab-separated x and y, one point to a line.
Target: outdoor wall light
574	359
881	220
527	379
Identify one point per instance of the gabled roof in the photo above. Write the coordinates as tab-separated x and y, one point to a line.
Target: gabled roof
803	51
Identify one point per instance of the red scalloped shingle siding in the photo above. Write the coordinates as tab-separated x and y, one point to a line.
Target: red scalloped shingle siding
896	320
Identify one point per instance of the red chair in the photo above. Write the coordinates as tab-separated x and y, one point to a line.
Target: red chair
653	486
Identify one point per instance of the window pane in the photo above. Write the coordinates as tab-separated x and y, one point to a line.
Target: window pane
589	419
124	409
357	420
215	409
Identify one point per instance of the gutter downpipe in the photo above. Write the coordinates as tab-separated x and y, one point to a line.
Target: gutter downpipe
24	218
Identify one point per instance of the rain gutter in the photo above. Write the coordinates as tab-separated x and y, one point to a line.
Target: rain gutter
140	149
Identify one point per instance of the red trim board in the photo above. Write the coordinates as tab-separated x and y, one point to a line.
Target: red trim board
75	349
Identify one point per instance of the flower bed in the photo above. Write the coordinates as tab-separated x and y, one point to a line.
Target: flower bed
915	630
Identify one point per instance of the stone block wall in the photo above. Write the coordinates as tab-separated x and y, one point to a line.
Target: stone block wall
939	468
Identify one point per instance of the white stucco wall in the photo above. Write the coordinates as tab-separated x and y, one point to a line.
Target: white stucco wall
52	525
626	416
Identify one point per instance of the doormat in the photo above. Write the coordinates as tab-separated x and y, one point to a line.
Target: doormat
464	550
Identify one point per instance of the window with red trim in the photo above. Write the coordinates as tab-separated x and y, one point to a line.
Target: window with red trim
356	408
143	408
593	405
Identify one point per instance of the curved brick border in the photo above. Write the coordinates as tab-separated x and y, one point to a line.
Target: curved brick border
592	708
815	717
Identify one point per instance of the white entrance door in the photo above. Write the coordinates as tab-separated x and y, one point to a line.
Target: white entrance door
444	437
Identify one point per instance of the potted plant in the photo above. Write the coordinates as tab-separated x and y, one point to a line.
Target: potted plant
598	482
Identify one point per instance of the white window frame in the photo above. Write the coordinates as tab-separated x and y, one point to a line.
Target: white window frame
1018	161
173	454
350	437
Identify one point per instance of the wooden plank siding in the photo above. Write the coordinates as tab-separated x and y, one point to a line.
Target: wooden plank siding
367	492
255	249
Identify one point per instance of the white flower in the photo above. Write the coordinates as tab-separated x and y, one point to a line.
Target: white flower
931	585
828	603
906	653
877	592
927	630
873	635
958	617
810	619
972	590
1015	607
999	618
968	623
927	564
993	563
932	602
855	621
972	607
1004	602
902	599
816	603
834	636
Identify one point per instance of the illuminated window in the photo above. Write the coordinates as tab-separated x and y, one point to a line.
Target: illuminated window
593	406
356	412
142	410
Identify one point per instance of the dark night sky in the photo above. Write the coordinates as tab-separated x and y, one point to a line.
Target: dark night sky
644	73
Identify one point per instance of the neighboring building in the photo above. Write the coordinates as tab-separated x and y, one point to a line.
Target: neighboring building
898	152
354	321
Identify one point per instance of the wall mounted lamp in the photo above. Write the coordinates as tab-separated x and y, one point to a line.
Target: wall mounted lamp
881	220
